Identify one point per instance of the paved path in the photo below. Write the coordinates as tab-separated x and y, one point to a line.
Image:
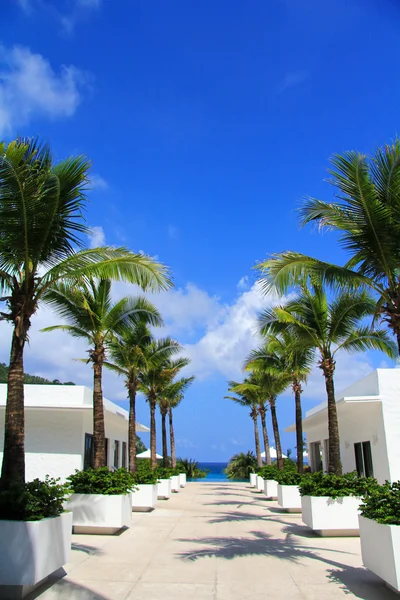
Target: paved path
216	542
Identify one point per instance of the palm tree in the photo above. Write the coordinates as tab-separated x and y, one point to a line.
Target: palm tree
366	216
171	395
128	358
246	395
329	327
41	240
282	354
160	371
94	316
241	465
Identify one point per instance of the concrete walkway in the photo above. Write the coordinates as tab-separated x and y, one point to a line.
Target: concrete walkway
215	542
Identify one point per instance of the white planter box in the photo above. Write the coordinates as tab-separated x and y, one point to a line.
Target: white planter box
253	479
30	551
164	488
271	488
182	479
380	550
175	485
260	484
289	498
144	497
98	513
331	517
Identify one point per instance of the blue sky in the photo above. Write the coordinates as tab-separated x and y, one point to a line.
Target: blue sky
206	124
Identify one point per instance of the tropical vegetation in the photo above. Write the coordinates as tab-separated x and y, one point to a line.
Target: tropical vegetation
382	504
101	481
32	379
34	500
241	465
191	468
336	486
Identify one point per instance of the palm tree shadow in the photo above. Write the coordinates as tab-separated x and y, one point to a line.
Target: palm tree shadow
361	583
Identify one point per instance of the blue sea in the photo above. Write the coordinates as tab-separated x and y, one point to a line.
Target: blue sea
216	471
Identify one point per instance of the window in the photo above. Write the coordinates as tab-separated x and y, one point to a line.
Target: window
116	454
316	460
107	447
363	455
88	458
124	454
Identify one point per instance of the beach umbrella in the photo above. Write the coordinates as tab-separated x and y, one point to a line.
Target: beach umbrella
147	454
273	453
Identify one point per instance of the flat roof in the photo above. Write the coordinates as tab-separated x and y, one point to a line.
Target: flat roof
65	397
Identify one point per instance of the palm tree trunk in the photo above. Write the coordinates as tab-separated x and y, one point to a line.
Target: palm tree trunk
265	436
99	435
299	424
335	465
164	438
279	459
13	469
257	441
153	445
172	439
132	429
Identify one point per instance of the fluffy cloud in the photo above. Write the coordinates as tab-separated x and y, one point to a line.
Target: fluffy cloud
29	87
97	237
97	182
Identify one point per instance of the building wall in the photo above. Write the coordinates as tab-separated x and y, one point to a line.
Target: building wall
116	429
389	384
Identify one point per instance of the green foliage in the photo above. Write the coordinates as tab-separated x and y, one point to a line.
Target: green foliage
33	501
382	504
101	481
191	468
140	447
164	472
289	477
144	473
336	486
34	379
241	465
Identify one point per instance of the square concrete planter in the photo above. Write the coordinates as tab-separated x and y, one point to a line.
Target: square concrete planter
260	484
144	497
253	480
289	498
271	488
175	485
331	517
164	489
380	550
182	479
100	514
30	551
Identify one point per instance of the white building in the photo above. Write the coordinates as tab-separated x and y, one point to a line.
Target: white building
369	427
59	428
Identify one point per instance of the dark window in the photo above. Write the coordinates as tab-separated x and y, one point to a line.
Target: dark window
107	446
363	454
88	459
124	454
316	460
116	454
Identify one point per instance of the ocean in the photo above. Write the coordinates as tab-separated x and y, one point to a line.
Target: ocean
216	471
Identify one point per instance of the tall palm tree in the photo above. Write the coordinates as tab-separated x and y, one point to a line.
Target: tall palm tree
366	214
171	395
262	411
41	243
247	396
282	354
93	316
128	358
160	371
329	327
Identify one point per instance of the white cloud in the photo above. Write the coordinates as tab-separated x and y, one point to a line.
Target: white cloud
29	88
97	182
97	237
291	80
243	283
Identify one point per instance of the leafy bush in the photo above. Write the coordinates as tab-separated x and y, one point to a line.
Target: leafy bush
191	468
101	481
336	486
144	475
241	465
382	504
289	477
33	501
268	471
164	472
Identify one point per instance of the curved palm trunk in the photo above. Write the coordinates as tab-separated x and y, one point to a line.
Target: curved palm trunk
279	459
153	445
296	385
13	469
257	441
265	435
334	466
132	429
99	435
172	439
164	438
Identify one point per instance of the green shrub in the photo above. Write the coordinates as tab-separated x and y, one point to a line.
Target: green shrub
191	468
268	471
289	477
164	472
144	476
33	501
241	465
382	504
101	481
336	486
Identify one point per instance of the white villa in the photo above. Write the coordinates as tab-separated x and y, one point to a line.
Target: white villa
59	428
369	427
